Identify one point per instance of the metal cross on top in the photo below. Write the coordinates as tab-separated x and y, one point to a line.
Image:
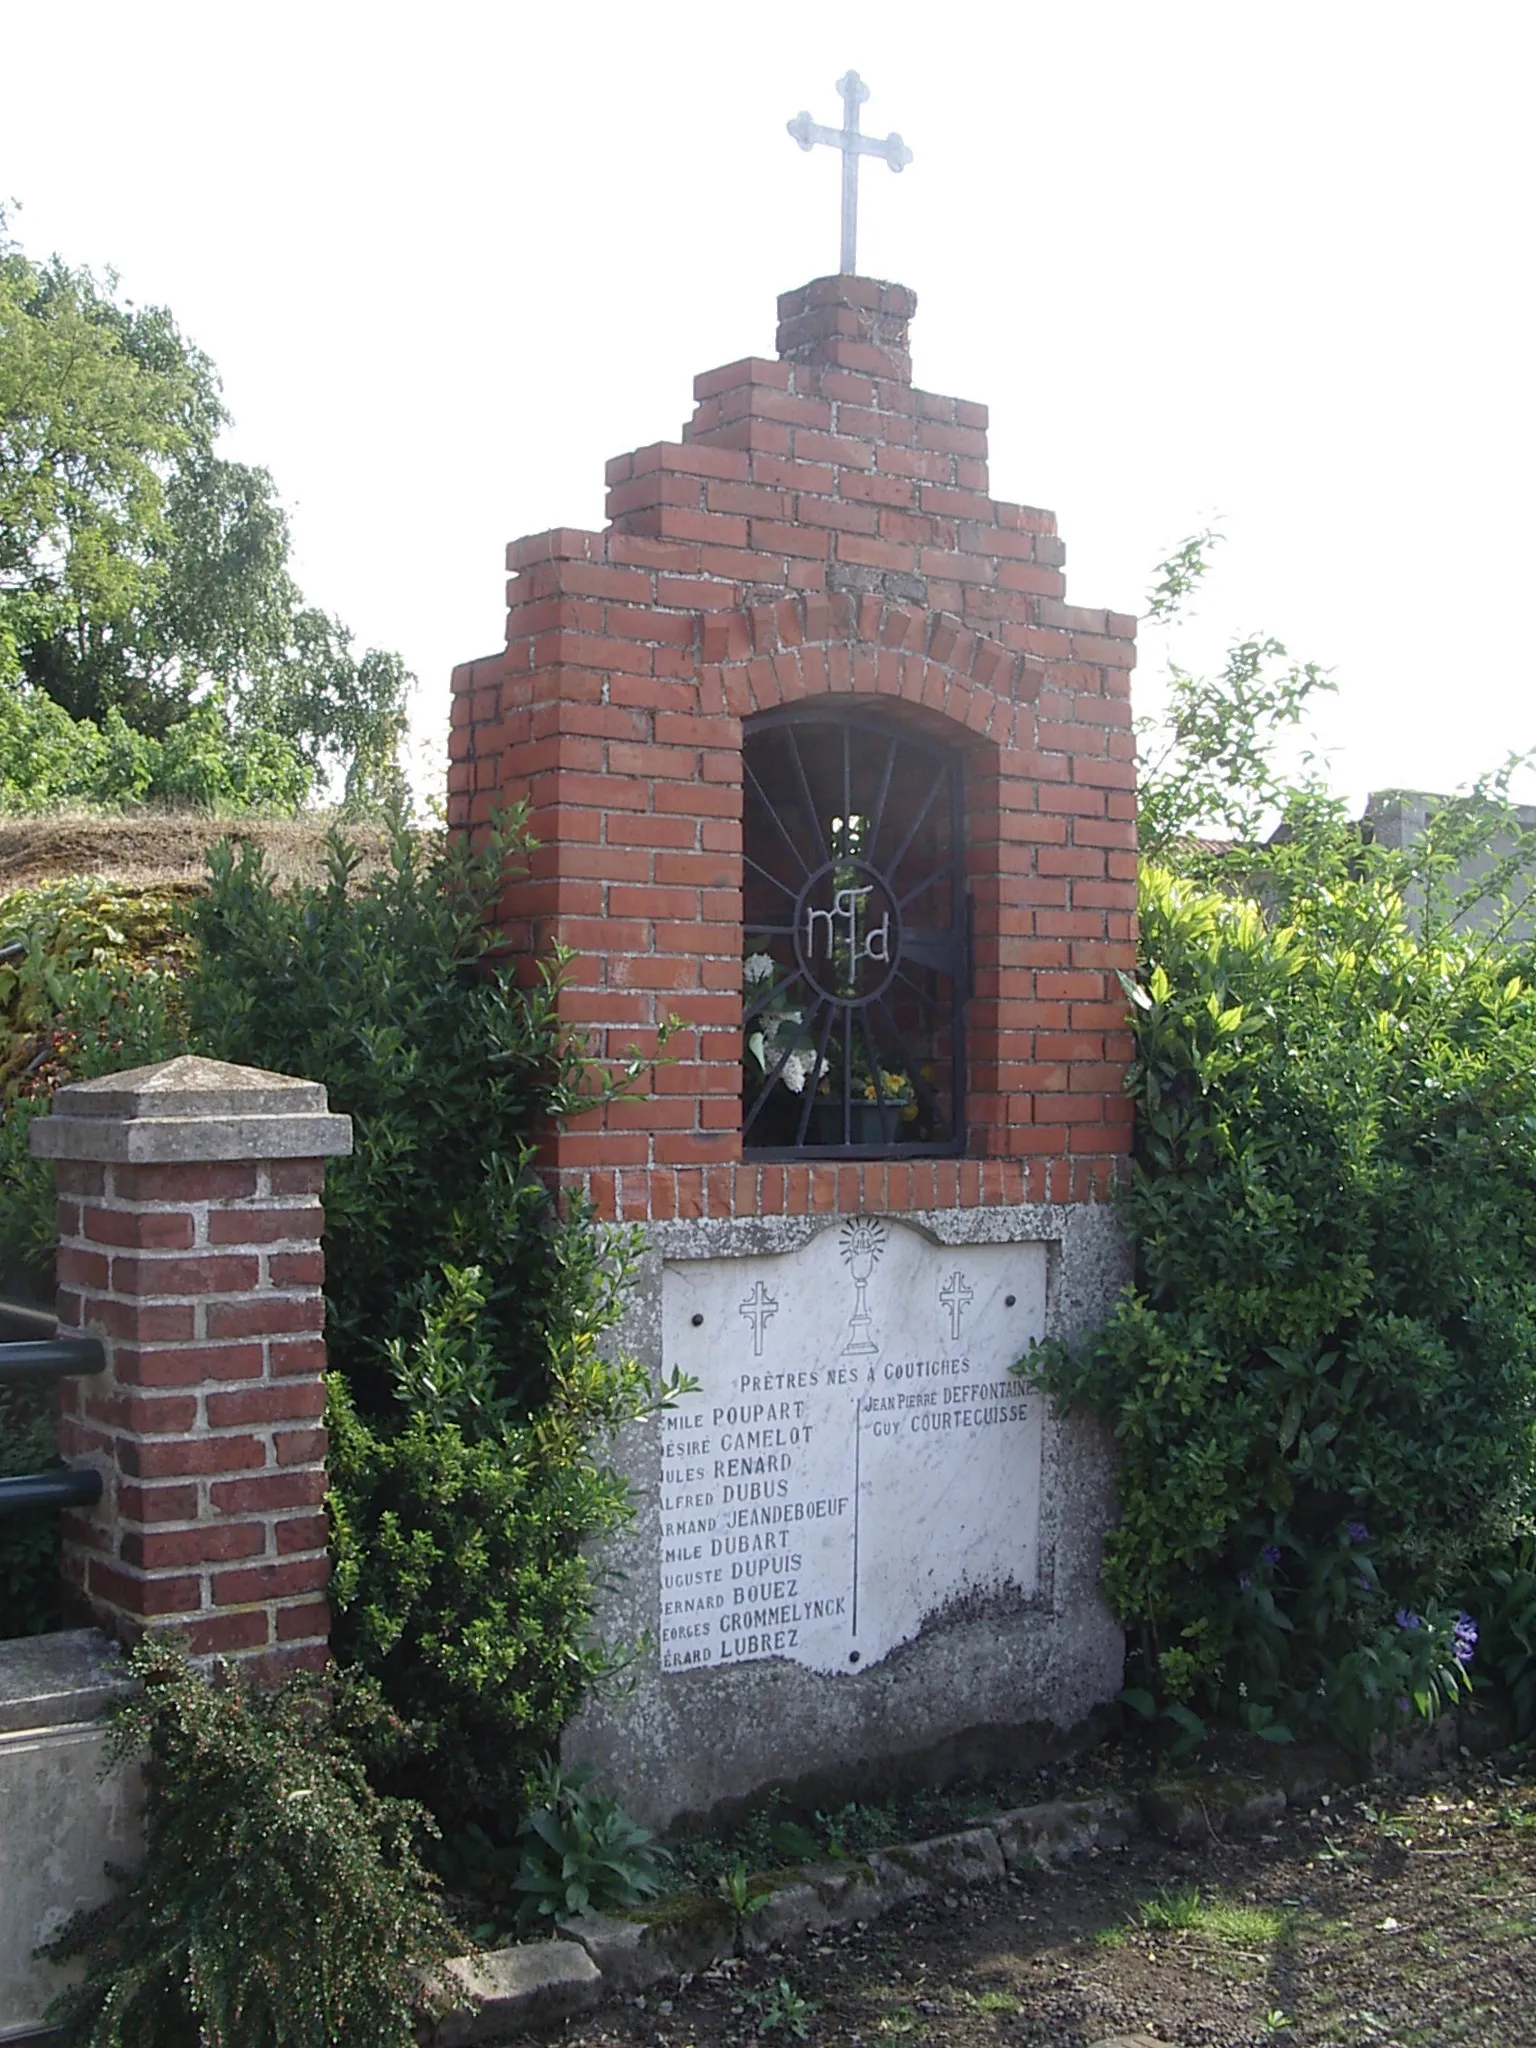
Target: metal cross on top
853	145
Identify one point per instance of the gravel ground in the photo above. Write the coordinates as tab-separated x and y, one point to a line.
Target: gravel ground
1381	1919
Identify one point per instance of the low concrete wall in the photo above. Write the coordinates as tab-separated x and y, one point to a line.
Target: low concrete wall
61	1820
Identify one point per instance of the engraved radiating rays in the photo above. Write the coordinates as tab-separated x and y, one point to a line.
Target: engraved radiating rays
862	1237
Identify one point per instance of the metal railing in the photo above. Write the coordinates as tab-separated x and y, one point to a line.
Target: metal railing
41	1353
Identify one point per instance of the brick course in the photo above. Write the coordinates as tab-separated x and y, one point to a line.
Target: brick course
822	528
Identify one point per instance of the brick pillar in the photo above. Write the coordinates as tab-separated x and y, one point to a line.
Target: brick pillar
189	1241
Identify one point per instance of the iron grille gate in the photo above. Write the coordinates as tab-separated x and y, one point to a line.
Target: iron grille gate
856	936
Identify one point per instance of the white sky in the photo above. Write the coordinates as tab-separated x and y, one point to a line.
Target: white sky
1270	261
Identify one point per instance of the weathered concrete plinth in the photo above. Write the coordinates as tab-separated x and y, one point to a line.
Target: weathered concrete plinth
61	1820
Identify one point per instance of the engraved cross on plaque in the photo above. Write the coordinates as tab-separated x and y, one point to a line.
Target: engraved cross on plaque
957	1298
853	145
757	1308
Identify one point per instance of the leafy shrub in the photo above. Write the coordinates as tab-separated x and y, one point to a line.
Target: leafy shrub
281	1902
462	1581
581	1851
1501	1592
1323	1385
447	1067
49	759
470	1398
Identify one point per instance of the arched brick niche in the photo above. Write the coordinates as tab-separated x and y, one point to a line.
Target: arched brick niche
822	532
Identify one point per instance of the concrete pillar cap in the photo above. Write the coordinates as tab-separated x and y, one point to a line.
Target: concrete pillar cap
190	1109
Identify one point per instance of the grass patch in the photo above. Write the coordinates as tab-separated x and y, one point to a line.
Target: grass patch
1190	1912
990	2001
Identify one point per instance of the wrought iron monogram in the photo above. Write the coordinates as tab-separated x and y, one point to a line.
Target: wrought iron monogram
856	950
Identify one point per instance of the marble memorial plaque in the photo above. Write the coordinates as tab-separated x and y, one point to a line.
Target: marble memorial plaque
857	1456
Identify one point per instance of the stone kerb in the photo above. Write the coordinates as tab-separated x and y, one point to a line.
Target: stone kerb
189	1241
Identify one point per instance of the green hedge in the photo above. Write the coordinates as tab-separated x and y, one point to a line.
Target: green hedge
1323	1385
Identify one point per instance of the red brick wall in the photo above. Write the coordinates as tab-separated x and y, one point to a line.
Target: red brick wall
823	527
205	1280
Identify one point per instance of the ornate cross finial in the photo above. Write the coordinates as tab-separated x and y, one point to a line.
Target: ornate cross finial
853	145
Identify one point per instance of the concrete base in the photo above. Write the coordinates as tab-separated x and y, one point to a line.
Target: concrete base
987	1680
61	1821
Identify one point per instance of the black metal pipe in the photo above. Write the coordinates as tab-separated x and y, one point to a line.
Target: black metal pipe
67	1489
25	1316
60	1358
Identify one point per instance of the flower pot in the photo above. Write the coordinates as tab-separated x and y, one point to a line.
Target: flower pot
869	1123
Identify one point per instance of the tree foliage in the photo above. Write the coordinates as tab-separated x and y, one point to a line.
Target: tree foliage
1208	763
49	760
141	572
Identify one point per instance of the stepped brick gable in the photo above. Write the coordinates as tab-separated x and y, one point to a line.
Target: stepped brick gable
823	529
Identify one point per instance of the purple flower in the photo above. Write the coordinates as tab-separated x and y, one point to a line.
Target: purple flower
1270	1554
1363	1582
1402	1703
1357	1532
1406	1618
1464	1634
1245	1581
